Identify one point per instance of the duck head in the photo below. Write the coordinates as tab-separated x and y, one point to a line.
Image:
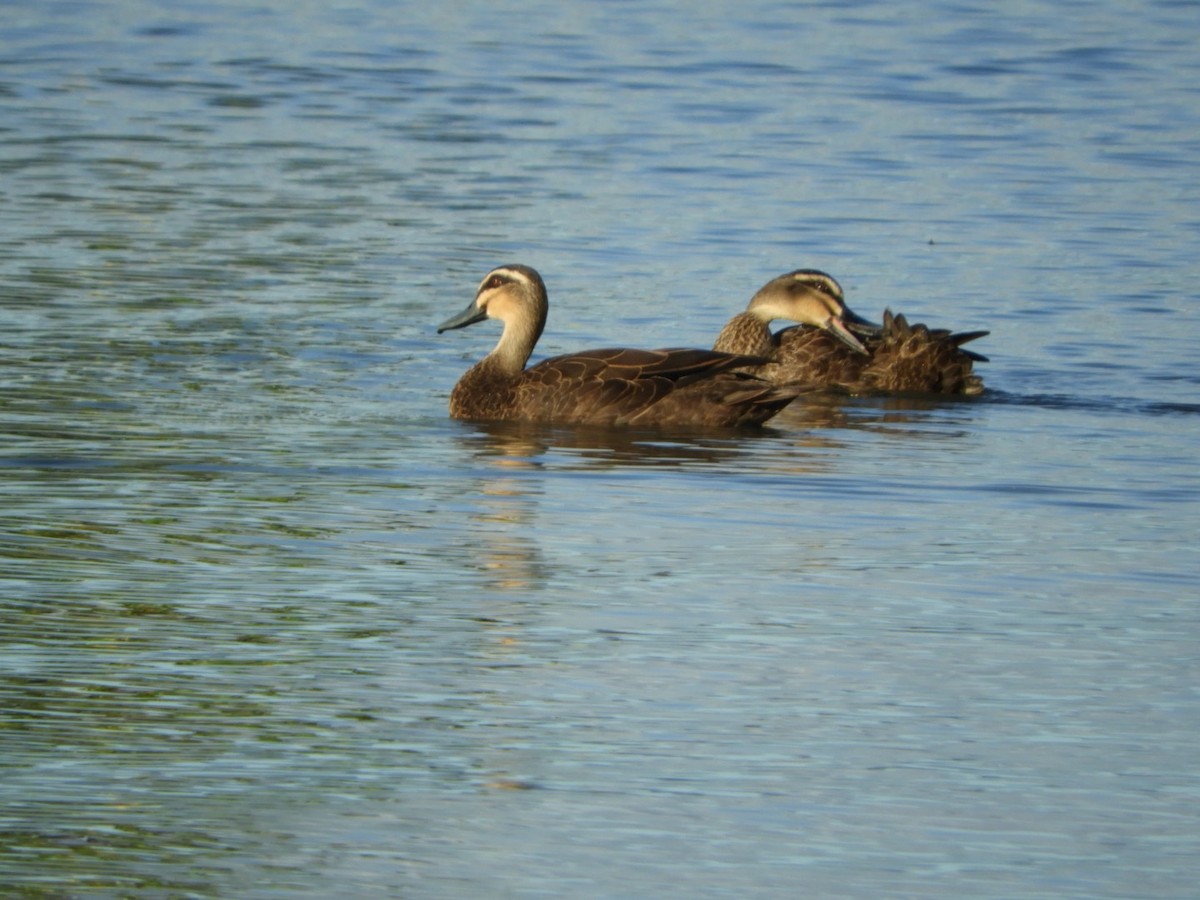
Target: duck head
511	293
811	297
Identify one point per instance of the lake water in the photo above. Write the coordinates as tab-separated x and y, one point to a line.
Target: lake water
272	625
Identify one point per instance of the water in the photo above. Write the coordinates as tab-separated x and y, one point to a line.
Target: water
274	626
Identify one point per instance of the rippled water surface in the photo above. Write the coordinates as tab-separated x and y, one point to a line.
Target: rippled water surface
273	625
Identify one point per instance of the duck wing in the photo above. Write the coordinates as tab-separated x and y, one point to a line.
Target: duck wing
624	386
675	364
913	358
815	358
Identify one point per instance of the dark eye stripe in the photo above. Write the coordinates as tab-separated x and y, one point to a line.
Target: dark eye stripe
826	288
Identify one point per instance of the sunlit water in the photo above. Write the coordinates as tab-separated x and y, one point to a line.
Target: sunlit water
273	625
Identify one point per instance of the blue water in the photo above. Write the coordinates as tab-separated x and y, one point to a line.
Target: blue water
272	625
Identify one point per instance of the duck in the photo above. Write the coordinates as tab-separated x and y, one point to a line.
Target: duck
833	348
607	387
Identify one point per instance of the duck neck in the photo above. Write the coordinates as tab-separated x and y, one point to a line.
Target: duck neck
514	348
746	334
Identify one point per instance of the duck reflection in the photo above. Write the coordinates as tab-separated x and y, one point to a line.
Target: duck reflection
535	445
506	511
813	430
510	558
822	415
516	459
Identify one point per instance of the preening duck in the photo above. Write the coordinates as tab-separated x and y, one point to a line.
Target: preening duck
611	386
834	348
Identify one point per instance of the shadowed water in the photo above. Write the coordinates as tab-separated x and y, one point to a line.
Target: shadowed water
273	625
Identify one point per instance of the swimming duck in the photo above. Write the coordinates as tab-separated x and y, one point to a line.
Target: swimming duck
612	386
844	351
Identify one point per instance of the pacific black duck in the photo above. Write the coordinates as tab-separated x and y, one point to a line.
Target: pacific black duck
612	386
833	348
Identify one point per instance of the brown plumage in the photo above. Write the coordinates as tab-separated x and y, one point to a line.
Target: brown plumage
833	348
611	386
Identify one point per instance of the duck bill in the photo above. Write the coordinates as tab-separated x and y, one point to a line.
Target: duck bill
839	330
857	324
468	316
